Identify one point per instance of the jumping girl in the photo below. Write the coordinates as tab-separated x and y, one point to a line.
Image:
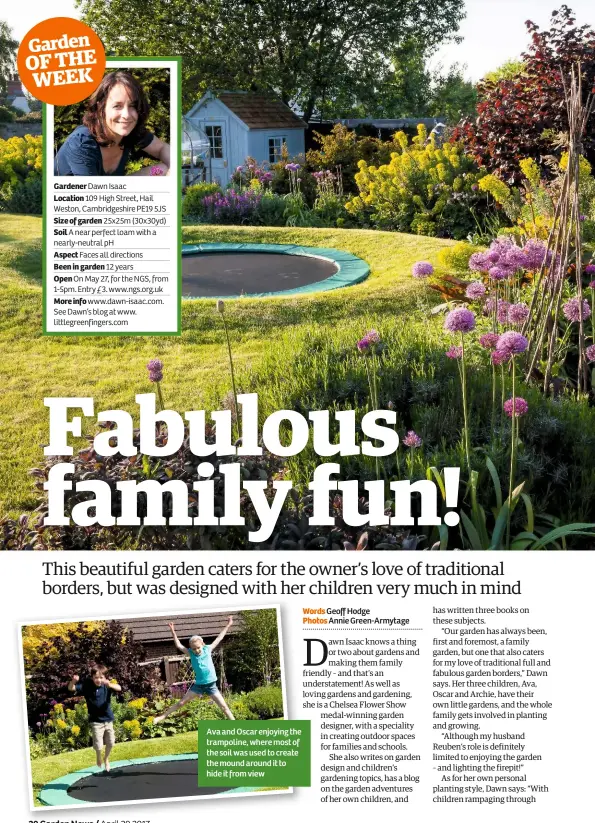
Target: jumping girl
204	671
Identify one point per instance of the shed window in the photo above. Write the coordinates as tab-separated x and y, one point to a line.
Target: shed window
215	135
276	148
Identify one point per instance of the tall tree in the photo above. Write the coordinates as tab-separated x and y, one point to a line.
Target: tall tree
8	47
452	96
304	50
409	88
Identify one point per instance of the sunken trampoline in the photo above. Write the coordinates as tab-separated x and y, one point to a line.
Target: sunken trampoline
149	778
266	270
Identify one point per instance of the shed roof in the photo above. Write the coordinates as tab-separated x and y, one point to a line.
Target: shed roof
261	111
155	629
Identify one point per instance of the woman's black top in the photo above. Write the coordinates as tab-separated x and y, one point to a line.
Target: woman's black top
80	155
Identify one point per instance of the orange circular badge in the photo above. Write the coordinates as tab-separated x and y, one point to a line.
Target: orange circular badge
61	61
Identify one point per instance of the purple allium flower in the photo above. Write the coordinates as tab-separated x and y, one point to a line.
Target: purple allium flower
503	307
412	440
591	354
363	345
512	342
572	308
582	217
590	269
536	253
292	166
155	171
489	341
515	258
499	273
592	285
373	336
475	291
475	187
461	320
155	369
518	313
38	723
516	407
239	168
422	269
478	262
455	352
500	357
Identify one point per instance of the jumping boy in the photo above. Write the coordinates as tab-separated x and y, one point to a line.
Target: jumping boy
97	691
204	671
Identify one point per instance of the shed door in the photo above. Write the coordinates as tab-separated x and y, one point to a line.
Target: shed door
216	131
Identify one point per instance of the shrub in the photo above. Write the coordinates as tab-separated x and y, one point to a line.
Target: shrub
424	189
41	636
238	703
20	175
457	257
25	198
266	701
193	202
20	159
271	209
530	206
252	654
29	117
344	149
329	209
58	659
517	116
6	114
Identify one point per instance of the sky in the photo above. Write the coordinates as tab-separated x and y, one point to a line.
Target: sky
493	31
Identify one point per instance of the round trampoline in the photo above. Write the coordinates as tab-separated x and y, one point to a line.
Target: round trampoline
148	778
227	270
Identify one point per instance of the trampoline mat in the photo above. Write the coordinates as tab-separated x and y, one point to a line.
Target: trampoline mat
228	274
143	781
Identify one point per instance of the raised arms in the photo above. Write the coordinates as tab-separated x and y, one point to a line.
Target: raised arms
177	643
222	634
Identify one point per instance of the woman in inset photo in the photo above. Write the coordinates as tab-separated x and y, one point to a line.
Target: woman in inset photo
113	125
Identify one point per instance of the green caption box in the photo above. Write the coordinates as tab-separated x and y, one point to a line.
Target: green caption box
254	753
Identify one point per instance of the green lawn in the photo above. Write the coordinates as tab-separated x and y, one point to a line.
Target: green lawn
49	768
112	369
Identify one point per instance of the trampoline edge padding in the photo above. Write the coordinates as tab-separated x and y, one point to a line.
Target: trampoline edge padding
350	269
55	793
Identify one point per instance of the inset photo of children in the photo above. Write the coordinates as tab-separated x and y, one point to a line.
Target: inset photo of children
113	705
122	129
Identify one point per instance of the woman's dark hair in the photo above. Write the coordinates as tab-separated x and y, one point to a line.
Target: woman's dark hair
94	118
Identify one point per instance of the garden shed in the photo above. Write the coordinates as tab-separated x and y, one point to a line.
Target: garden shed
14	95
154	634
240	124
